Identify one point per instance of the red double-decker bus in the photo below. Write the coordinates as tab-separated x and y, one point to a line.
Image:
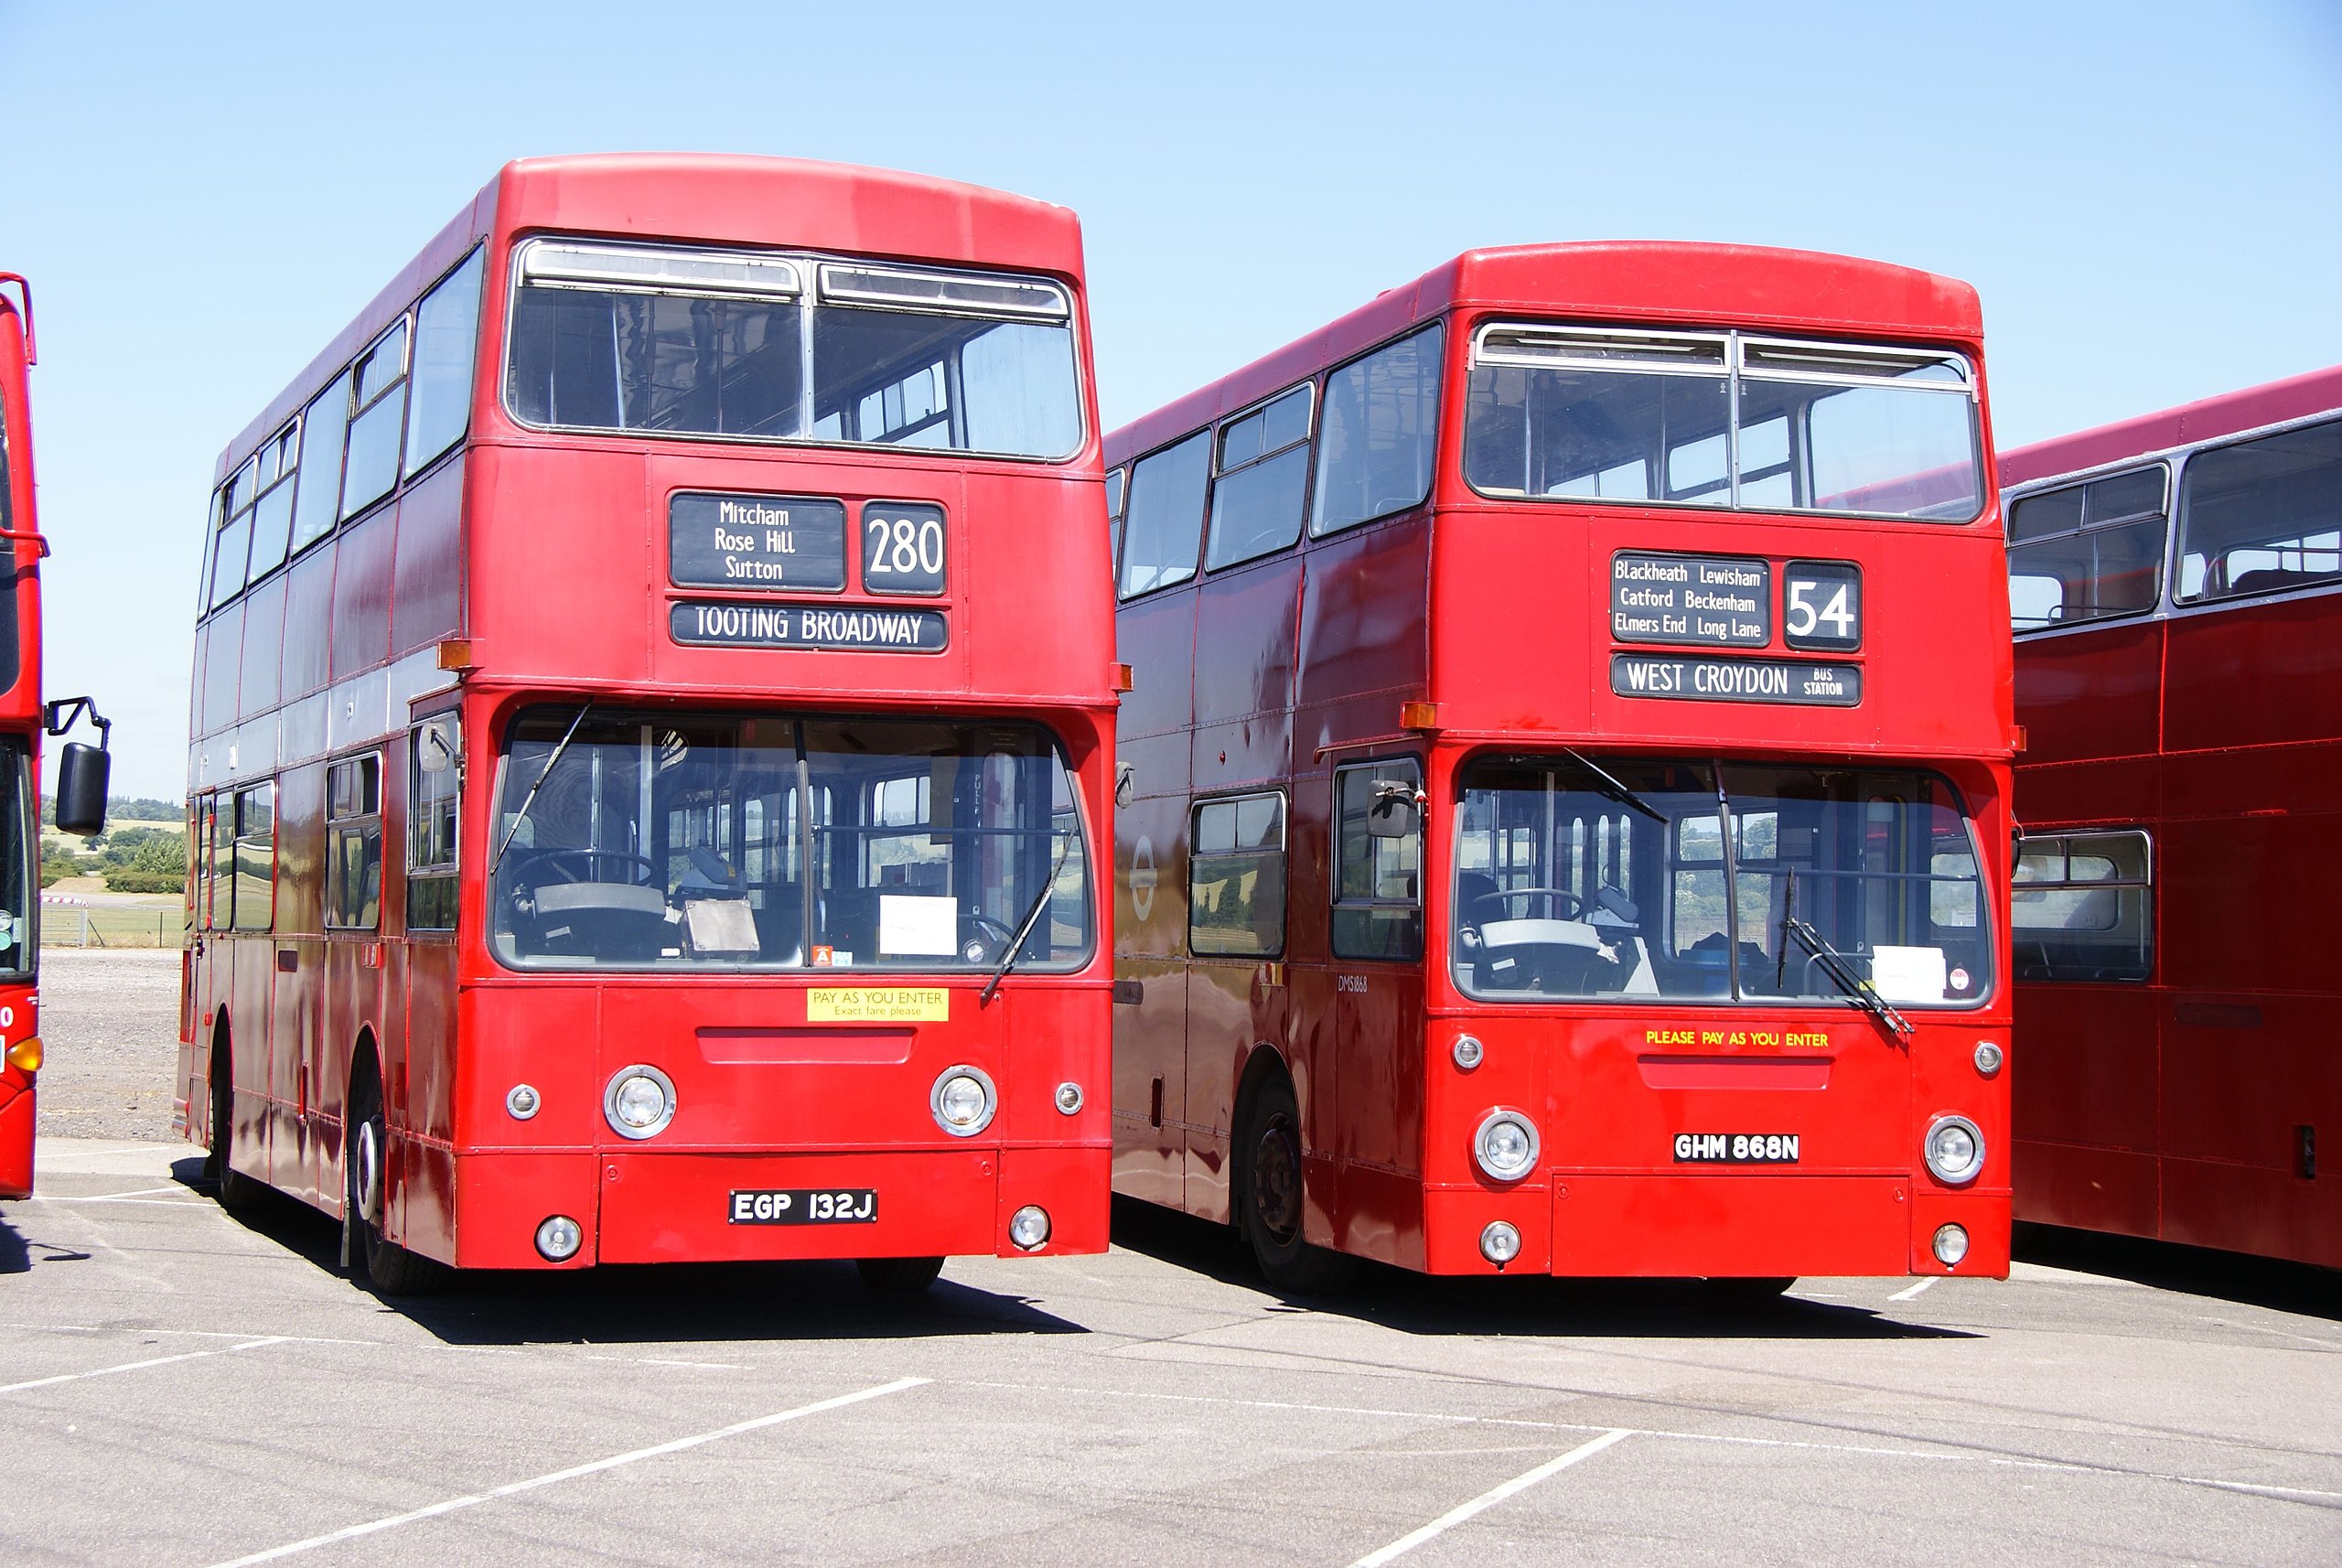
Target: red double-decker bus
652	723
82	781
2176	587
1564	791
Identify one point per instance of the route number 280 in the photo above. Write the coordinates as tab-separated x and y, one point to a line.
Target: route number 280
903	549
1822	605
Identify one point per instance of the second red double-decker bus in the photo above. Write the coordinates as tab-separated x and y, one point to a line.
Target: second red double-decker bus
653	724
2177	584
1566	786
81	780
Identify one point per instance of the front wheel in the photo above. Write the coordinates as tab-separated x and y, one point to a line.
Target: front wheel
899	1274
1269	1197
391	1268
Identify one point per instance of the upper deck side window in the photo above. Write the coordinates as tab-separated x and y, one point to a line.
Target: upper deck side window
1722	419
2261	516
1162	521
760	347
401	404
1262	469
1378	433
2086	551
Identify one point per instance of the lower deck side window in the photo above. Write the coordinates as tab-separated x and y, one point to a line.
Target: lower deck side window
2082	907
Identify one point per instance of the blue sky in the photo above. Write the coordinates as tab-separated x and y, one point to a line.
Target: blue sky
2149	196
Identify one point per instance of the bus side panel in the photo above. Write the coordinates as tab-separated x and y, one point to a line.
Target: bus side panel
2091	693
2087	1105
2240	677
1243	675
1309	1027
308	620
222	666
427	600
1234	1008
361	593
430	998
264	649
1362	646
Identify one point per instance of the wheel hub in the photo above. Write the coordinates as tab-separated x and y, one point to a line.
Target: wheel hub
1276	1181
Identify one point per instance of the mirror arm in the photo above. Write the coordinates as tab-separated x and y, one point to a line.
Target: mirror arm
61	716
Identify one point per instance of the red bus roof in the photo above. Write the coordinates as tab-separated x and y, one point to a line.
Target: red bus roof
1612	280
2296	397
718	199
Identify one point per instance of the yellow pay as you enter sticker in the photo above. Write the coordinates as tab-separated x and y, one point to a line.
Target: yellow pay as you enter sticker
908	1005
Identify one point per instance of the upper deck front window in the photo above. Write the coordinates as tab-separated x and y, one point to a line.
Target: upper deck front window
1722	419
758	347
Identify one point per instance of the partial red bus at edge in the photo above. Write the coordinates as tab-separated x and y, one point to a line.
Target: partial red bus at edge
2175	581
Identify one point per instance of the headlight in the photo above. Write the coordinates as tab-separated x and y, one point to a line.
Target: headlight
639	1102
1954	1149
1029	1226
1950	1245
1499	1242
559	1238
962	1100
1506	1145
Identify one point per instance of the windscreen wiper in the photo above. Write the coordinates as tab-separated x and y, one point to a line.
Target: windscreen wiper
1835	964
1025	927
531	798
1610	789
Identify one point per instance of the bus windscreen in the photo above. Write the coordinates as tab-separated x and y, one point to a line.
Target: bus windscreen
1622	884
717	842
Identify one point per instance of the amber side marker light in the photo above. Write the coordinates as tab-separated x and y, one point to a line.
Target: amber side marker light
456	653
26	1055
1124	678
1419	715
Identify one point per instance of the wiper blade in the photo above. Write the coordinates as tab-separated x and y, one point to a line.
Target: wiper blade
1834	964
1025	927
1610	789
531	798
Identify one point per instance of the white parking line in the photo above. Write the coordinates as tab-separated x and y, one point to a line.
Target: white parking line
1909	1292
514	1487
135	1366
1490	1498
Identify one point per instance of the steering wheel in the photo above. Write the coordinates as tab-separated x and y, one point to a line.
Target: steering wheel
989	941
529	871
1564	904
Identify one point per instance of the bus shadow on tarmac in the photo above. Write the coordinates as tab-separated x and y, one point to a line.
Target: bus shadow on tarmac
666	1303
1531	1306
2272	1283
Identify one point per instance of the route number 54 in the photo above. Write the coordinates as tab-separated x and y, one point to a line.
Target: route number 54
1822	605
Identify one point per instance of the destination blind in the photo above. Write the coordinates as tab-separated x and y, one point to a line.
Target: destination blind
794	544
1714	601
1693	679
836	626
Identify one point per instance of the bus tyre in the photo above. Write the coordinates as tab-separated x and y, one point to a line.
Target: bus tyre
237	1192
389	1267
1269	1197
893	1275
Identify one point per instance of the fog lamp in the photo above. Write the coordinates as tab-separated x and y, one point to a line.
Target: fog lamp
1988	1057
25	1056
1467	1052
1029	1227
1505	1144
1069	1098
1954	1149
559	1238
639	1102
521	1103
1950	1245
962	1100
1499	1242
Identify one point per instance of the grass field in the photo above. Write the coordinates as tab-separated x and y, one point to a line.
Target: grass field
123	920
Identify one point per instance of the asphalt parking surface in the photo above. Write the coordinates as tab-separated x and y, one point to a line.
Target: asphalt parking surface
181	1387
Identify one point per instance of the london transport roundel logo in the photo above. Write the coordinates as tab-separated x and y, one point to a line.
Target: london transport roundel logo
1143	877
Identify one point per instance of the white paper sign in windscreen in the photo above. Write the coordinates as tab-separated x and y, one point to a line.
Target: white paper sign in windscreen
911	924
1908	974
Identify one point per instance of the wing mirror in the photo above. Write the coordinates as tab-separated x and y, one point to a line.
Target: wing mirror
1397	812
82	771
